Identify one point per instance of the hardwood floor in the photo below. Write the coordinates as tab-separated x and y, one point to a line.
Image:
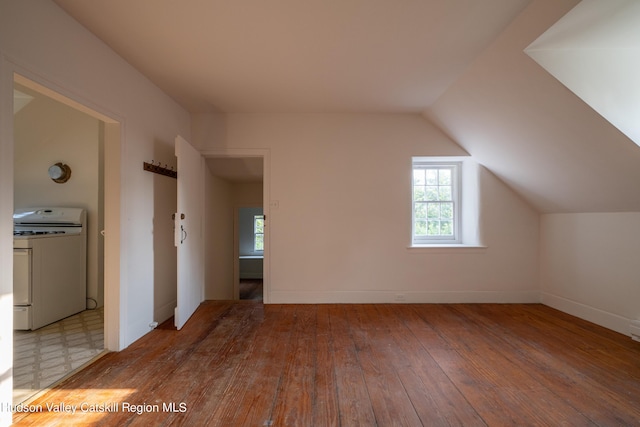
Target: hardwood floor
246	364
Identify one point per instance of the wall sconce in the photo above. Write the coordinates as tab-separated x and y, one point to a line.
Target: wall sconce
60	173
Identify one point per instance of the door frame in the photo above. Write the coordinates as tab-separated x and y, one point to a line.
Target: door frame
265	154
113	141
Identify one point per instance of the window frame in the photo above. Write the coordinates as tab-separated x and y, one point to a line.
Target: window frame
456	189
256	233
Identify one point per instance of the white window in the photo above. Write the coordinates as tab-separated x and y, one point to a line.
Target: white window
258	233
436	202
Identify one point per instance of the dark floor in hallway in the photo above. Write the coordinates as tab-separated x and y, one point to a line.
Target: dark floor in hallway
251	289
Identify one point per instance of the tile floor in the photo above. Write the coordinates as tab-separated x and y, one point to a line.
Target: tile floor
44	356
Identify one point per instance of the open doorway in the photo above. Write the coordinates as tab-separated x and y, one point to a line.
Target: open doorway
49	128
235	182
250	241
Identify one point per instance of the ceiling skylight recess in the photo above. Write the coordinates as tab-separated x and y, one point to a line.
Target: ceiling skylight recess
594	50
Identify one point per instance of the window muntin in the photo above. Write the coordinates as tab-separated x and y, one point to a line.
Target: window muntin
435	202
258	233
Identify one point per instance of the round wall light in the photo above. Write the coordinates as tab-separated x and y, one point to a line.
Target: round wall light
60	173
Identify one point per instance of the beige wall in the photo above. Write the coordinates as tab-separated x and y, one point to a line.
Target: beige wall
589	266
247	194
218	225
342	228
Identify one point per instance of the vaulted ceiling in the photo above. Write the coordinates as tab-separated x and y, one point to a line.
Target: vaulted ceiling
460	63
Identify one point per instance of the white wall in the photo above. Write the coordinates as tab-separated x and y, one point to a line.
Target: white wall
342	229
589	266
6	243
46	132
40	41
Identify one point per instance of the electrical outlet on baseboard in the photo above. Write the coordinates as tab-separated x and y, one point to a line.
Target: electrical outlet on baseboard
400	298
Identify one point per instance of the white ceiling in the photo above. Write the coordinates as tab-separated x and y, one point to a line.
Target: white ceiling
245	169
459	62
292	55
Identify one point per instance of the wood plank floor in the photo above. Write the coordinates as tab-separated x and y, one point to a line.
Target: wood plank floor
246	364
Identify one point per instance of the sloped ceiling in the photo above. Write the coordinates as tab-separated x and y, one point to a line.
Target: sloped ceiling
461	63
594	50
532	132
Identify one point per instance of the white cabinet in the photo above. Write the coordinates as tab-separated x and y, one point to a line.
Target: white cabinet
22	288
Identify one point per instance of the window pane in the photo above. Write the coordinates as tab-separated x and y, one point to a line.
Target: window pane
432	193
435	188
444	193
258	232
259	243
446	210
433	211
444	177
258	224
433	228
432	176
446	228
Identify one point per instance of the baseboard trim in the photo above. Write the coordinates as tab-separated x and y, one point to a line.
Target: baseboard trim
403	297
594	315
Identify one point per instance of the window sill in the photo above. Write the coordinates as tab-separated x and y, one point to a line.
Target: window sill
447	248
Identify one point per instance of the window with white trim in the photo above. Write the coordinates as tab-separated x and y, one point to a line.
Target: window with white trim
258	233
435	202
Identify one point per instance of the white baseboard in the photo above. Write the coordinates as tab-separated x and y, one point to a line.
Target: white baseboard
594	315
634	330
403	297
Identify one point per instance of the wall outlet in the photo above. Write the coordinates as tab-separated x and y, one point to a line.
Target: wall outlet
400	298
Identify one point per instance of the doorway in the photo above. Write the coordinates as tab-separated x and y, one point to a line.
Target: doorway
235	180
47	128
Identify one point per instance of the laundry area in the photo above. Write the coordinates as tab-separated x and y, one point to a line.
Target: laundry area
58	248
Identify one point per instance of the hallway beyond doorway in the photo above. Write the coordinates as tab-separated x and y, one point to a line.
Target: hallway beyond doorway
251	289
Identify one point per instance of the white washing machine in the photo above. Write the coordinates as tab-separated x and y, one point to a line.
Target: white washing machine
50	265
